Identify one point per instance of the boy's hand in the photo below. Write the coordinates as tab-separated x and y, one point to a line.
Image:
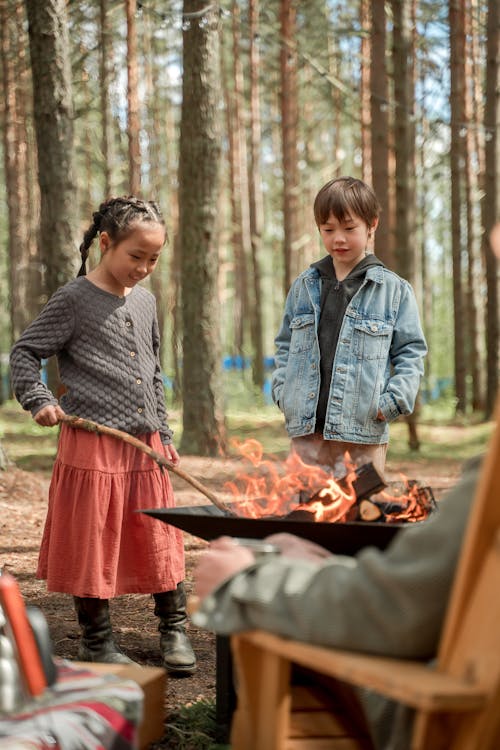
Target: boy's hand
49	416
380	416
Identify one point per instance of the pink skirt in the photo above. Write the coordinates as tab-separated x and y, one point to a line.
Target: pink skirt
94	542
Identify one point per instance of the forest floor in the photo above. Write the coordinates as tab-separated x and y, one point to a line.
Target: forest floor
23	503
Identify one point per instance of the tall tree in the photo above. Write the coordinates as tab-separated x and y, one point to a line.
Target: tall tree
255	194
406	249
404	139
24	270
203	428
380	129
133	120
238	182
105	56
491	201
472	161
53	113
457	157
366	151
289	130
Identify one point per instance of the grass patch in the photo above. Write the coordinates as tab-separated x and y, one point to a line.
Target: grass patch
193	727
28	445
33	448
440	442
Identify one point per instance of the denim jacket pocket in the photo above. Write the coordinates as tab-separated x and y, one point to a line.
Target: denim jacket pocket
303	333
372	339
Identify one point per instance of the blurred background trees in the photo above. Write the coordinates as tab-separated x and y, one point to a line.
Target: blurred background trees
232	115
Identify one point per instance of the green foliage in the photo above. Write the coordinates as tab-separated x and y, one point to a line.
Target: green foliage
193	727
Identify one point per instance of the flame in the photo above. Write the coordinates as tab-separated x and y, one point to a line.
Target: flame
276	487
415	503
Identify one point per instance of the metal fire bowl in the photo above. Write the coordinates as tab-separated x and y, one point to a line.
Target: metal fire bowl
208	522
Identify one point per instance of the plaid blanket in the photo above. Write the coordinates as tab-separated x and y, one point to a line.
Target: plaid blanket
81	711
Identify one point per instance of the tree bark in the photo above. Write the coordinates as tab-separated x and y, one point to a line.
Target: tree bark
380	131
255	195
491	206
133	120
289	127
203	426
105	56
53	113
457	156
24	267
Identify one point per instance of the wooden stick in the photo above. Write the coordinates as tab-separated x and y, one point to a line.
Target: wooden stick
87	424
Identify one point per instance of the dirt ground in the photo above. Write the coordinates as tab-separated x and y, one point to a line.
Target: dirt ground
23	503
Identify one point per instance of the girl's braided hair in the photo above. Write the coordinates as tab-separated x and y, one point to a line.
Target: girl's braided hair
116	217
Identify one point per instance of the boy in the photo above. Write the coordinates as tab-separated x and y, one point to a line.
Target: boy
350	350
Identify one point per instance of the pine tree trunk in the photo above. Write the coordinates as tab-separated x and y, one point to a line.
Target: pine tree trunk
366	152
255	195
491	207
203	428
289	126
105	57
457	155
24	284
133	120
473	297
53	113
380	131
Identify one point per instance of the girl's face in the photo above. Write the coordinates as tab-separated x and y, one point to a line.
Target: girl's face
346	241
131	259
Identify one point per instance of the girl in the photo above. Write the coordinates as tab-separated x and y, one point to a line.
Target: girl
350	351
104	331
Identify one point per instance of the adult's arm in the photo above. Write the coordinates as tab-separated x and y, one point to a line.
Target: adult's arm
390	603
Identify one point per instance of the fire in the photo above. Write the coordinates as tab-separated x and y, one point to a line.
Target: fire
278	486
282	488
414	504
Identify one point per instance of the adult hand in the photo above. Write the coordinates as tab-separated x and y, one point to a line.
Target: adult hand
222	560
171	454
49	416
294	546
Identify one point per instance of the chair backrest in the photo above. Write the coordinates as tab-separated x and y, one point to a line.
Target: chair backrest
470	642
482	529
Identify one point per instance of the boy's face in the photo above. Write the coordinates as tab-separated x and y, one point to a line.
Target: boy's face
346	241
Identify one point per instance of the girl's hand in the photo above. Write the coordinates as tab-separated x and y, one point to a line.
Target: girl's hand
223	559
49	415
380	416
171	454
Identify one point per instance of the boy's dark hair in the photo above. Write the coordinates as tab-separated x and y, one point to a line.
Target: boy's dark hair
116	216
343	197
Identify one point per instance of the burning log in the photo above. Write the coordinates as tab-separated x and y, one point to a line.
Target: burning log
415	506
367	482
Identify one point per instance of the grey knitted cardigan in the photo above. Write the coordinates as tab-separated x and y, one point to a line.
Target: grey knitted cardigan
107	350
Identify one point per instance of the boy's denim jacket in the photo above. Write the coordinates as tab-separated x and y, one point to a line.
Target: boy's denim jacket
378	363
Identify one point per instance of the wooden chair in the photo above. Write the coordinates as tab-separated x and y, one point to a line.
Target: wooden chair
457	703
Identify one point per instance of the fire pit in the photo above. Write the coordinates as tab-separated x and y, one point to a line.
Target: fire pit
208	522
365	518
355	513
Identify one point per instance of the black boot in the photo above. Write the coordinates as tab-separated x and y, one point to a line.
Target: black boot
177	653
97	642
